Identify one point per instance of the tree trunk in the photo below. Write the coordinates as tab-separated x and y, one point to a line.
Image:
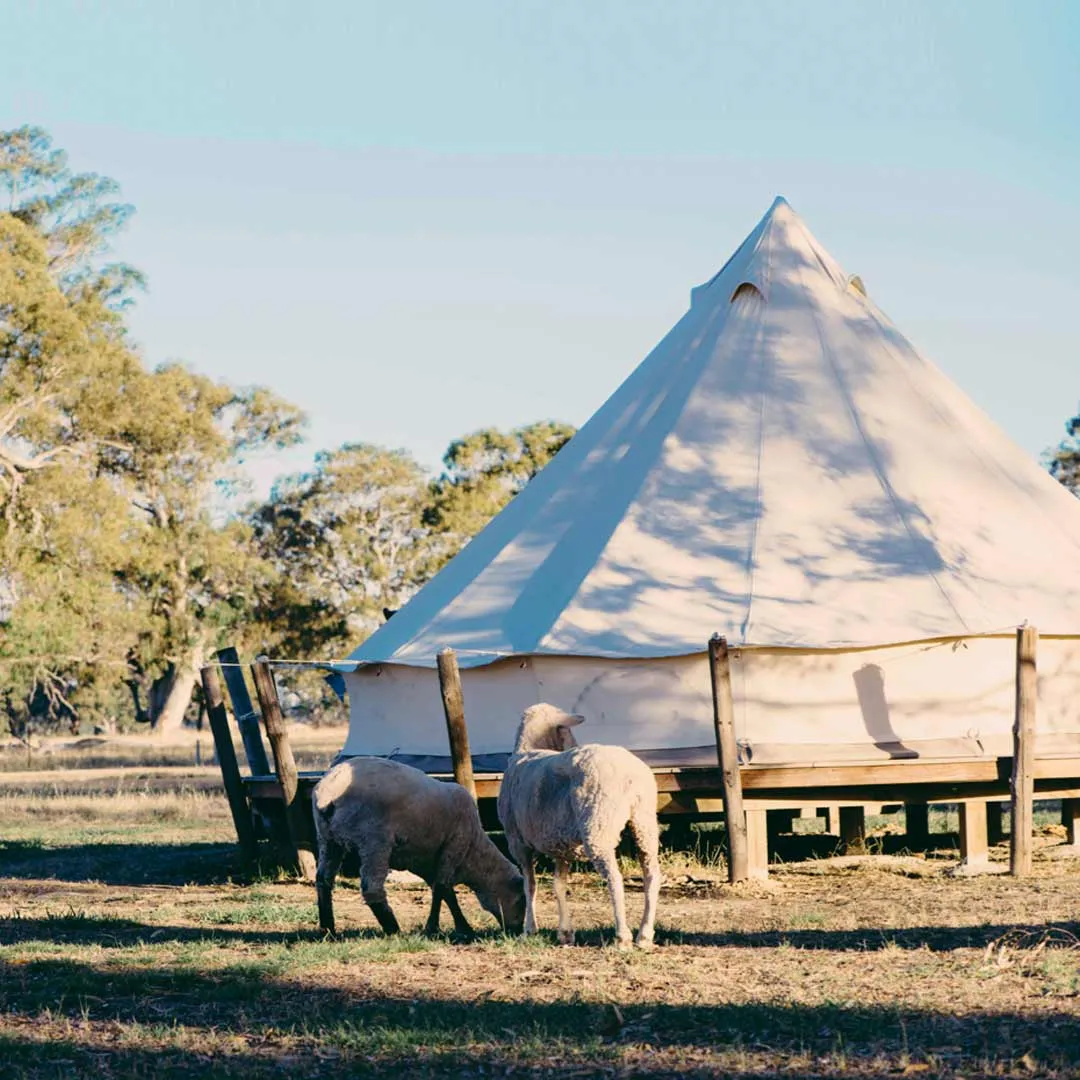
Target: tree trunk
178	696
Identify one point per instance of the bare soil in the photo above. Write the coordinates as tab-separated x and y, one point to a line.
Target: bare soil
132	943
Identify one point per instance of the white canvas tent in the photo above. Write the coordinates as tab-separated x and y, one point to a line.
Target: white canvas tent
785	469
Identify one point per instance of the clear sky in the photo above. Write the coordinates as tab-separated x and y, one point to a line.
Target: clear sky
415	219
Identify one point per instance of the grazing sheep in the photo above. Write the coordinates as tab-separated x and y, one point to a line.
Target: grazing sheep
397	818
565	800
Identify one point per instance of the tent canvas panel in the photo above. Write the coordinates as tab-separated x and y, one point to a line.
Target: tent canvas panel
783	468
939	699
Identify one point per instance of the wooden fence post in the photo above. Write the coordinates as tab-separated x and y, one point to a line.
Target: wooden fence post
727	752
297	815
226	755
1023	772
247	719
454	707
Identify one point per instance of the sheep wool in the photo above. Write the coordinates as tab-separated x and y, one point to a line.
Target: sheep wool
568	802
397	818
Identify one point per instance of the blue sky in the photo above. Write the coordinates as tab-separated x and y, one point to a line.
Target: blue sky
417	219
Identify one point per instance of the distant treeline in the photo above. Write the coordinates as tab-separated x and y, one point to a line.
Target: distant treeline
119	572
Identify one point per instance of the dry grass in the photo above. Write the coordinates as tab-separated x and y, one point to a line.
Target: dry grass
313	748
131	944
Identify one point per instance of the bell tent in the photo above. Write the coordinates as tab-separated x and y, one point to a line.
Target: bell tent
784	469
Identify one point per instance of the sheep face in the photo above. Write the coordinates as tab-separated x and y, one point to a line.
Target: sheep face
505	902
546	727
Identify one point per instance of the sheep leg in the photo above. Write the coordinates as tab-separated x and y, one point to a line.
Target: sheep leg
525	859
431	927
330	855
373	870
607	865
461	924
647	840
439	894
566	929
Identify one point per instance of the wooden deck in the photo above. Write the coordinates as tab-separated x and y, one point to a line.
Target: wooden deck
696	792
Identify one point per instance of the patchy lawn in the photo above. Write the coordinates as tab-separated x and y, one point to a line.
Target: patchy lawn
131	944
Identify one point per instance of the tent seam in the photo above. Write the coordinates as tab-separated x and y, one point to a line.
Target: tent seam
752	561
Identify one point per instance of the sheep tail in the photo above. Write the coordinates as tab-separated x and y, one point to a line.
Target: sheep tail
329	790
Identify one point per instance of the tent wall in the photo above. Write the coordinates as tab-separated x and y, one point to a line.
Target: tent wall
942	700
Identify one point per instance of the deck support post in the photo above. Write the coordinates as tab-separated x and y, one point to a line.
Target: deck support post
830	815
757	844
454	707
995	822
230	770
974	850
917	827
1070	818
727	752
1023	771
853	829
297	815
781	821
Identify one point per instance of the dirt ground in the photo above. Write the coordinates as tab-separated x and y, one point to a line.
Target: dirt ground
132	943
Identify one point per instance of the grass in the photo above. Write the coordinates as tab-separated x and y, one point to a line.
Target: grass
134	944
312	747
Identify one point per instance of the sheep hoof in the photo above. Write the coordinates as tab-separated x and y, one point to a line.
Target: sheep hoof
566	937
645	944
623	944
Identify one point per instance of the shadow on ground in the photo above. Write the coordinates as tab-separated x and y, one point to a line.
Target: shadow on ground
125	864
314	1030
79	929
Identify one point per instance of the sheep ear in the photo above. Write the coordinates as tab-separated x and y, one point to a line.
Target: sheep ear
572	720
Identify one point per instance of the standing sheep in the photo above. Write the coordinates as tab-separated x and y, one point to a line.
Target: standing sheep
397	818
565	800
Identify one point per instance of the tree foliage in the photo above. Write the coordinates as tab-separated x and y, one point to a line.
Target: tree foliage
126	553
76	214
1064	462
118	552
185	440
483	472
347	540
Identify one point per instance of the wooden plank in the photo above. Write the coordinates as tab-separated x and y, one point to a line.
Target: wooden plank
853	829
974	850
1054	779
1070	818
917	818
266	788
727	752
757	845
454	708
230	770
1023	771
247	719
297	805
